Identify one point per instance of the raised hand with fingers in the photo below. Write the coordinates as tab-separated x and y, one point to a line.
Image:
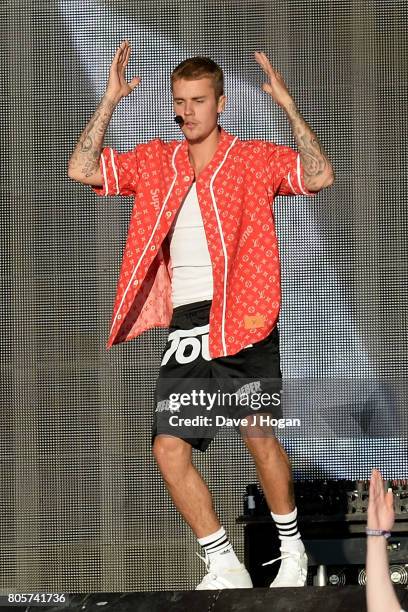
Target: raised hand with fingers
117	87
380	513
276	86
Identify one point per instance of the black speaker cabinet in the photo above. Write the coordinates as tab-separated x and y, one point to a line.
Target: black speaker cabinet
340	546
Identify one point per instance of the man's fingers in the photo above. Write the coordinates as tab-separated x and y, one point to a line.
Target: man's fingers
119	53
260	59
121	61
265	64
134	82
123	48
127	55
263	60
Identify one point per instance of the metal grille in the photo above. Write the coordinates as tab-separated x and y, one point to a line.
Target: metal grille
83	507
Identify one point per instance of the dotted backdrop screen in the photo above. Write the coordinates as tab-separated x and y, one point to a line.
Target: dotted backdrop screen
83	508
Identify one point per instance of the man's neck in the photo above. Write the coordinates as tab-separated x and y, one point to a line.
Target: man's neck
201	153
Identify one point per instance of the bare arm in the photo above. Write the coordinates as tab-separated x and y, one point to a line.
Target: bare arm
318	171
380	591
83	165
380	516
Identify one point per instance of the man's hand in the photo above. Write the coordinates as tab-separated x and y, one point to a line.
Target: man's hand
380	513
276	86
117	87
318	171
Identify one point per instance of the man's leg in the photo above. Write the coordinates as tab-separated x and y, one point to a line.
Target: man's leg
275	475
185	362
193	500
273	468
185	485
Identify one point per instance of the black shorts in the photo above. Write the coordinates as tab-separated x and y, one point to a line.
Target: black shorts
195	396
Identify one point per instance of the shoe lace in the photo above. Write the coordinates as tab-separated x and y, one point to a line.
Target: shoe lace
285	555
210	575
205	559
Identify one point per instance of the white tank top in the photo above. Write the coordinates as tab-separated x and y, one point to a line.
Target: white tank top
192	277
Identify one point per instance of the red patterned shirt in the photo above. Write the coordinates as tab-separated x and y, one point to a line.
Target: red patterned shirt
235	192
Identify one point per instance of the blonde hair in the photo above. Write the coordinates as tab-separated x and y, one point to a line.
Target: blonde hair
197	68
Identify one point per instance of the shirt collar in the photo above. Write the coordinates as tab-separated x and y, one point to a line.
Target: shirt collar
224	142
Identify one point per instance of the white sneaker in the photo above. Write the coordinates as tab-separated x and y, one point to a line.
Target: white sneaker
292	571
224	578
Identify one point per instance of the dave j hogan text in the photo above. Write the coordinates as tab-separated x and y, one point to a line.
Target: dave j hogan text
222	421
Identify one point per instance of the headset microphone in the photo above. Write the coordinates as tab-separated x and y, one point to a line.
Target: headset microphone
179	120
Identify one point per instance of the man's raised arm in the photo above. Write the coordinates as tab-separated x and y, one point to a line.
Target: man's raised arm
318	171
83	165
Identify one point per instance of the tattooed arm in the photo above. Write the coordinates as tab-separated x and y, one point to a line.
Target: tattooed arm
84	163
318	171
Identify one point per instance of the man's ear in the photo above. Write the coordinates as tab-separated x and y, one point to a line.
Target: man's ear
222	100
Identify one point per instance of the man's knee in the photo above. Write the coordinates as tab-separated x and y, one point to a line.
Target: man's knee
171	452
261	443
258	426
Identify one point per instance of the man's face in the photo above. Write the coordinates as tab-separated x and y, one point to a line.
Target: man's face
195	102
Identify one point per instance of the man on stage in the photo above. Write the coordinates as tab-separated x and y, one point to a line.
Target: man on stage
202	259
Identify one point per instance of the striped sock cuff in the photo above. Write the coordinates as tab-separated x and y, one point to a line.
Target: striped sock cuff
287	525
215	542
212	537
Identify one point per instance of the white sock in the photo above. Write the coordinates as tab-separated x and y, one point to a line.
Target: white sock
288	531
218	550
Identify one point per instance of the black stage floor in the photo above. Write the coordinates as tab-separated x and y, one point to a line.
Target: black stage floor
306	599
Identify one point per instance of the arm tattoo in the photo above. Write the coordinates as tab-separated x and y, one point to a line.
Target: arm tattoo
314	160
87	152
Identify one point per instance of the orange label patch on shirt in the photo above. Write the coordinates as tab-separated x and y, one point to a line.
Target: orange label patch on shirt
254	321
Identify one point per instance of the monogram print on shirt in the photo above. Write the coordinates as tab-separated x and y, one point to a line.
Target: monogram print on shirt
236	193
187	344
